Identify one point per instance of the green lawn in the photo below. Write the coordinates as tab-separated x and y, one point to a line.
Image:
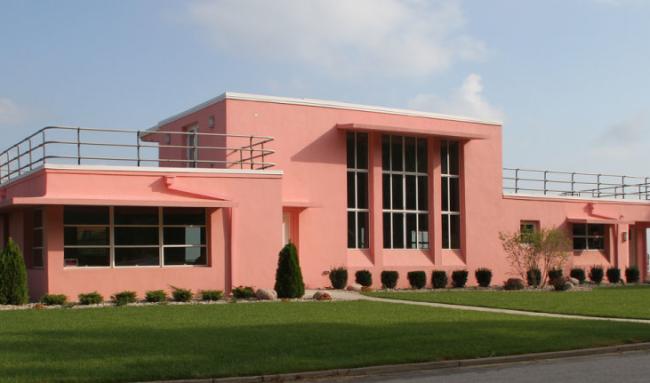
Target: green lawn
618	302
173	342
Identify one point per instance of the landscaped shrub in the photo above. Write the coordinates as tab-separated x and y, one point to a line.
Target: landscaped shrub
534	277
13	276
211	295
124	297
439	279
363	277
614	275
459	278
632	274
417	279
155	296
181	295
513	284
596	274
578	274
389	279
54	299
483	277
288	277
243	292
554	274
93	298
560	284
339	277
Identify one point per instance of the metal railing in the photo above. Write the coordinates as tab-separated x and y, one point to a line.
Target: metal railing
71	145
573	184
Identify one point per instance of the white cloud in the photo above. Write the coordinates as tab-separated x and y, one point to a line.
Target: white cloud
10	112
390	37
468	100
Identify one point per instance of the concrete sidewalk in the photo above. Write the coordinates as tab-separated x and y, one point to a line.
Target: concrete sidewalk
351	295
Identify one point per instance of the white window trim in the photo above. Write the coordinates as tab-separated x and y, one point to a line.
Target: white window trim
404	211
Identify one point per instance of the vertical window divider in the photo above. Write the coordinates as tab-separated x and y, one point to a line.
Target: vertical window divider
111	235
161	241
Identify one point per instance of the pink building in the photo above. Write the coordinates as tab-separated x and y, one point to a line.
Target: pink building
206	198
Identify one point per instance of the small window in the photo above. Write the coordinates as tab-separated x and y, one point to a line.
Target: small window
37	239
589	236
527	229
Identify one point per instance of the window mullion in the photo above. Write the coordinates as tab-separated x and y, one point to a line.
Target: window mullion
161	241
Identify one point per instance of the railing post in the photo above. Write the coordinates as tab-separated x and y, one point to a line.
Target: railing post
598	185
545	181
137	137
43	145
573	184
517	181
646	188
250	148
622	187
20	169
30	154
78	146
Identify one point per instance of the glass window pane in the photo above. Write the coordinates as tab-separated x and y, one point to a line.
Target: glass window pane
387	230
140	256
423	156
411	231
411	198
135	236
398	193
37	257
362	191
351	186
351	230
362	150
184	235
579	229
86	257
37	240
129	215
596	230
396	153
38	218
409	153
398	231
385	185
185	256
454	194
444	163
85	215
85	236
385	152
454	162
455	231
350	149
596	243
423	231
362	232
423	193
184	216
445	231
579	243
445	193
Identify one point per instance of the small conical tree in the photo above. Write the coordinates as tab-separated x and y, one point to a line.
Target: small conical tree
13	276
288	277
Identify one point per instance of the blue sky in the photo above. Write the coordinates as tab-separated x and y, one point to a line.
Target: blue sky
570	79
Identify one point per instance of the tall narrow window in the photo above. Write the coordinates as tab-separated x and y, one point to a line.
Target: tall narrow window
37	239
184	237
192	147
405	192
136	236
86	239
357	163
450	164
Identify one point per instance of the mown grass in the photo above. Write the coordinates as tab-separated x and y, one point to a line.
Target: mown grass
176	342
615	302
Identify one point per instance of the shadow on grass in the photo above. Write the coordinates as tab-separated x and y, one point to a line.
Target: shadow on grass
142	344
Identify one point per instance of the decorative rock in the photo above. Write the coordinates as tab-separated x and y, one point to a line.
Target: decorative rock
574	281
322	296
568	286
355	287
266	294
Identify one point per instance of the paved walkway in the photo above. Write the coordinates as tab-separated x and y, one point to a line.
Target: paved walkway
350	296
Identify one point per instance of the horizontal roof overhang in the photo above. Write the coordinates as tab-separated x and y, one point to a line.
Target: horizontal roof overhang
456	134
607	221
25	201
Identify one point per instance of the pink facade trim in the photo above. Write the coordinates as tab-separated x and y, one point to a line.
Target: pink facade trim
251	210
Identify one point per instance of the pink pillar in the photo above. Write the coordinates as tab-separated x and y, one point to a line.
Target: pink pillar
435	202
375	200
53	247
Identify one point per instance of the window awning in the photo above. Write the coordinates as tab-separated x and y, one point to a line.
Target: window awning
26	201
598	220
433	131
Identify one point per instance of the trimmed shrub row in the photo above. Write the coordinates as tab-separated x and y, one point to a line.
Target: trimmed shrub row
417	279
125	297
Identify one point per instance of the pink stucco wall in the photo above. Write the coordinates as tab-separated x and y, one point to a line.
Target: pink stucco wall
309	183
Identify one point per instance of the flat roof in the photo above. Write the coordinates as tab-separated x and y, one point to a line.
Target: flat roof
319	103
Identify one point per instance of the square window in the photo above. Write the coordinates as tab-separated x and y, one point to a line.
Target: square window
177	256
137	256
